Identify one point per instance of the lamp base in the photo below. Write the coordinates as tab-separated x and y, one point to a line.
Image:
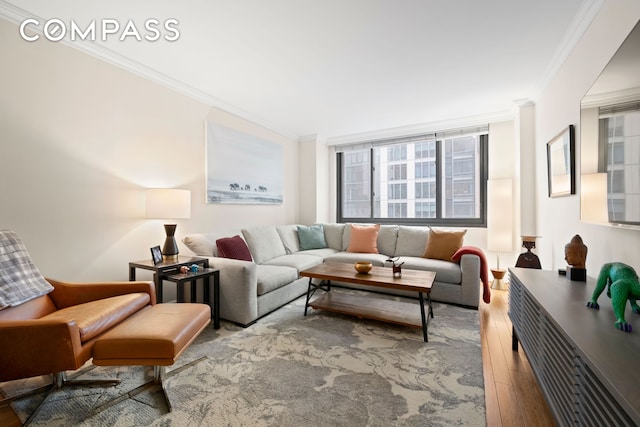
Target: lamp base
498	283
170	248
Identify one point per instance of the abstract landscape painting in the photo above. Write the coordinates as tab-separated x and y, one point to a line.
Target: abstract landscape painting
241	168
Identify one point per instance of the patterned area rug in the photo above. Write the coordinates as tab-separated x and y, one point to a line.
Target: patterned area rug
289	370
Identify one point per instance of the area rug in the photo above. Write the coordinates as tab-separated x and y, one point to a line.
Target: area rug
290	370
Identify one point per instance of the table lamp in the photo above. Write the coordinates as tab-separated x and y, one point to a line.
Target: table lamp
168	203
499	223
593	198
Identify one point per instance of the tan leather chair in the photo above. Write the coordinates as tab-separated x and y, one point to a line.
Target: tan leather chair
55	332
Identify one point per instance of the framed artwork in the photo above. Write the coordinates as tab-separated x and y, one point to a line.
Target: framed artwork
156	255
561	163
241	168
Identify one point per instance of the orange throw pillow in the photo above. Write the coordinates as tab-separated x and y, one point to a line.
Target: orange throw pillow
443	244
364	239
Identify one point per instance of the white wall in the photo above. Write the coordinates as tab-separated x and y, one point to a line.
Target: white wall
80	140
558	219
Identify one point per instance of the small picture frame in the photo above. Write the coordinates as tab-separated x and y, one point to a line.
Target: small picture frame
561	163
156	255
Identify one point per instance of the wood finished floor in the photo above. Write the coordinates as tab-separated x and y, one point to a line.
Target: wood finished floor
512	394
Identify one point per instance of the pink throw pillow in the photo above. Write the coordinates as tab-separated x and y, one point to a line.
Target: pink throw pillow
364	239
233	247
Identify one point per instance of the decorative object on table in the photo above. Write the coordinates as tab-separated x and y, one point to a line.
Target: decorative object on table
561	163
622	285
168	203
184	269
395	266
156	255
242	168
194	268
575	253
528	259
499	224
363	267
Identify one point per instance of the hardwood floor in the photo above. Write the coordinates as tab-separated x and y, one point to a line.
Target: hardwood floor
512	394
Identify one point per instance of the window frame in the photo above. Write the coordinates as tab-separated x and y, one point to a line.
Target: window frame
480	222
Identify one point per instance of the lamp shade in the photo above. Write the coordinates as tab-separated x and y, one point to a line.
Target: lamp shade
170	203
593	198
500	215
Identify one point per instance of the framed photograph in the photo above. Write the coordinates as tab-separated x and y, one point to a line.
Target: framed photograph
561	163
156	255
241	168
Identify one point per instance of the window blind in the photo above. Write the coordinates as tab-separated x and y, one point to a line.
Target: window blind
614	110
431	136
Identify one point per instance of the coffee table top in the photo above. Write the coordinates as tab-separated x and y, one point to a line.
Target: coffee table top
411	280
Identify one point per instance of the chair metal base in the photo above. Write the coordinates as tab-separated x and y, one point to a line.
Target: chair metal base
159	375
58	381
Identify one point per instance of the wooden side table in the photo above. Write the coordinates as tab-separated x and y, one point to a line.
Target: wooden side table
164	269
205	274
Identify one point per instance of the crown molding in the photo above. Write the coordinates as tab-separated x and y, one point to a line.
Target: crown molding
576	30
16	15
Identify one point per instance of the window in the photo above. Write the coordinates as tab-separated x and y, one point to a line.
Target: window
397	191
434	179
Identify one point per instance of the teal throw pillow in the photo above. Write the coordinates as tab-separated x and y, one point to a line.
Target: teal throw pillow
311	237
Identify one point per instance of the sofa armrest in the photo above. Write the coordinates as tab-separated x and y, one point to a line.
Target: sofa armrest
238	289
37	347
470	270
68	294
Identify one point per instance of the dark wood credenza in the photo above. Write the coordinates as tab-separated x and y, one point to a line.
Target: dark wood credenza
588	370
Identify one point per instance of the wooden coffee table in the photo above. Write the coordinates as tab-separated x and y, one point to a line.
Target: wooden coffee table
362	306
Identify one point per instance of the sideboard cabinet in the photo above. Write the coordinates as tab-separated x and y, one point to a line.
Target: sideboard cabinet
588	370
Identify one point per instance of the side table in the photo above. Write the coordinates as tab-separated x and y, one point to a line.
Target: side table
164	269
205	274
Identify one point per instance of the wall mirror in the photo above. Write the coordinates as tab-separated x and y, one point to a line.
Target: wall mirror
610	141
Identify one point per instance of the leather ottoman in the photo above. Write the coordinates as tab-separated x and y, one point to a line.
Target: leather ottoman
156	336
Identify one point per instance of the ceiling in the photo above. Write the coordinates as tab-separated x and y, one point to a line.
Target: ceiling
340	69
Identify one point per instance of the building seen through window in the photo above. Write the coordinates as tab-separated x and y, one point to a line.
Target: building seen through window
438	180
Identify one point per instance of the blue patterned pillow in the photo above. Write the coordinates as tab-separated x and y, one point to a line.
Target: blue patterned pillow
20	280
311	237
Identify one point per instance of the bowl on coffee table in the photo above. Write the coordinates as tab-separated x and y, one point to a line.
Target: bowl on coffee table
363	267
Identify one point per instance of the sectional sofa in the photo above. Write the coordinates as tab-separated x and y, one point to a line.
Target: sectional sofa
266	275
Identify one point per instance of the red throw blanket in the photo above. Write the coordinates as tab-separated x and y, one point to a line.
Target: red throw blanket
484	270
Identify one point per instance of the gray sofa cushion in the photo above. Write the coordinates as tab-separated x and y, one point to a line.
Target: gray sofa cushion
333	234
289	236
322	253
264	243
353	257
271	277
446	271
387	239
412	241
298	261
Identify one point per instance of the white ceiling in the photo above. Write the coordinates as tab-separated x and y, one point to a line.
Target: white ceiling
339	68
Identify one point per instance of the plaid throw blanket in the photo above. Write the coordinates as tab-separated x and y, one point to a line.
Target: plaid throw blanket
20	280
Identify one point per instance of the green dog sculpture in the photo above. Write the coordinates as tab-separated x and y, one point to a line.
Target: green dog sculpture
623	285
